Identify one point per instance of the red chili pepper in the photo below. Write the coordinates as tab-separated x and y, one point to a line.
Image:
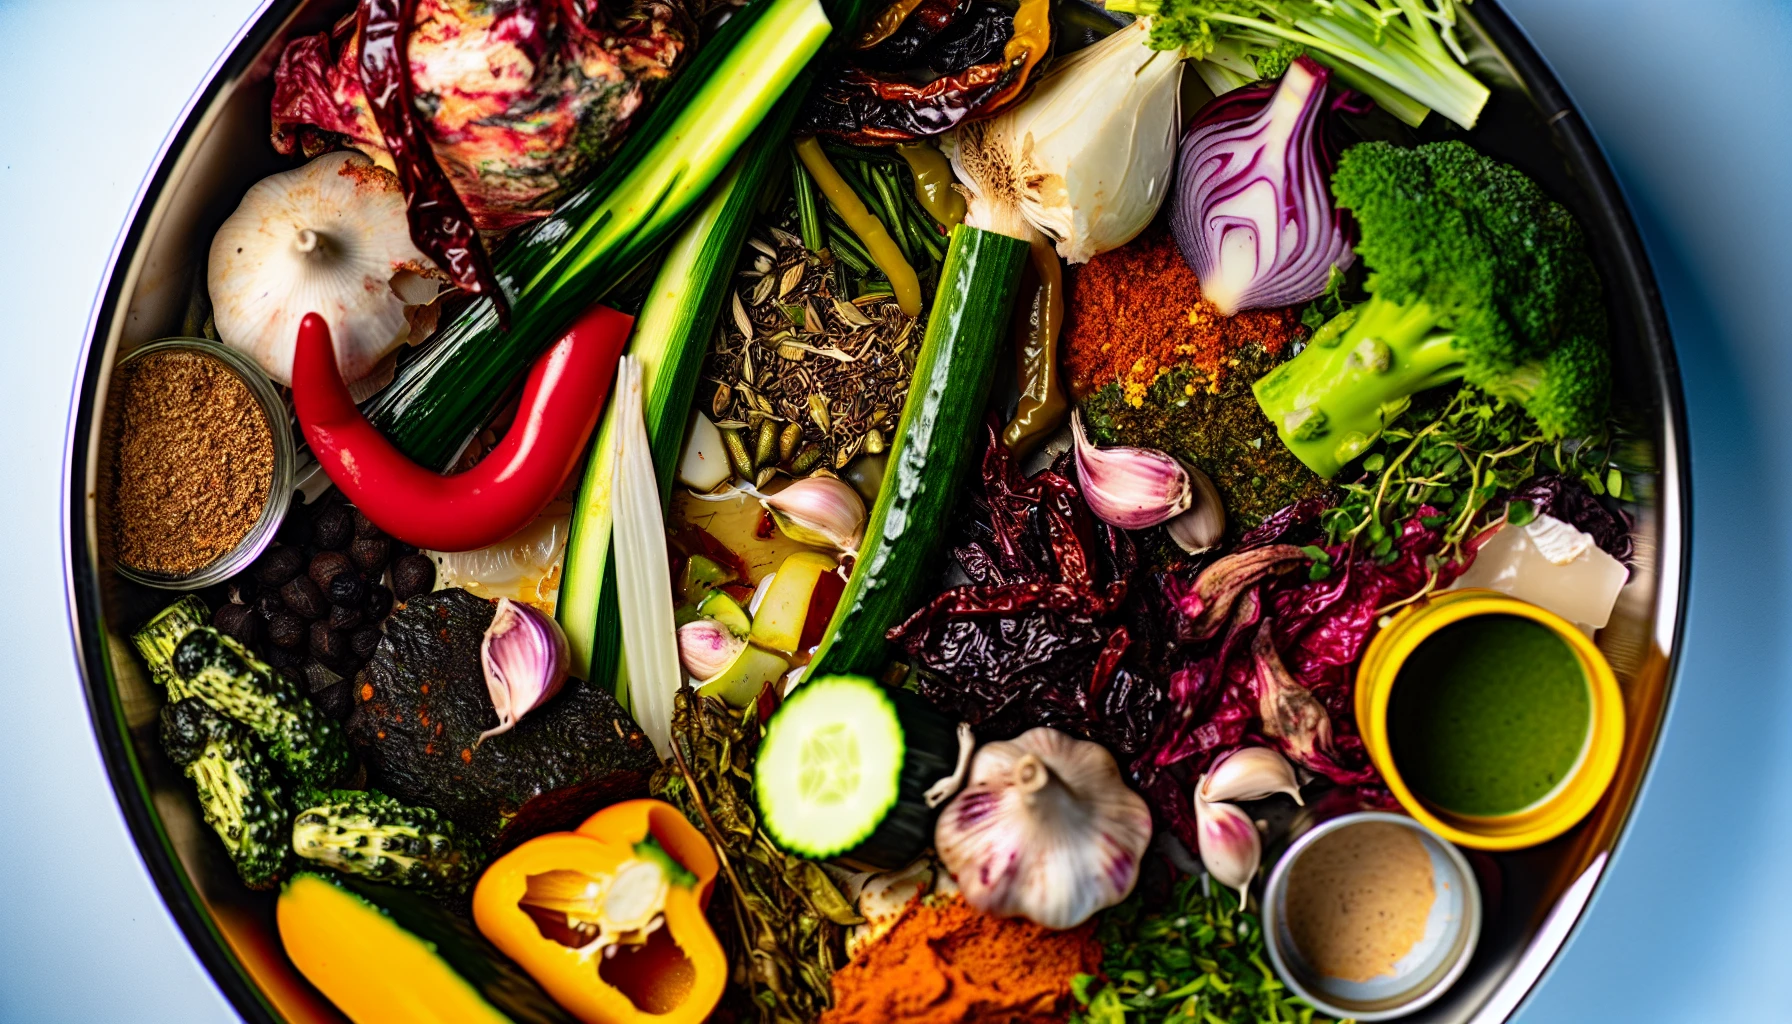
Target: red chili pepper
561	402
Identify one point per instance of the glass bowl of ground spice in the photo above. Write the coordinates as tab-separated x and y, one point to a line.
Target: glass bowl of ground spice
197	464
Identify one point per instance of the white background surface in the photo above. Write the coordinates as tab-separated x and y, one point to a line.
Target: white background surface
1692	100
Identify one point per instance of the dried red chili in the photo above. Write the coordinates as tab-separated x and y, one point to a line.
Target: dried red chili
440	223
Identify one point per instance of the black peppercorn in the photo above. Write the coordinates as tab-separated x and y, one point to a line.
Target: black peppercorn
269	605
337	699
304	598
333	529
327	565
283	658
364	527
238	622
329	646
277	565
286	630
379	602
343	617
370	553
347	589
364	642
413	575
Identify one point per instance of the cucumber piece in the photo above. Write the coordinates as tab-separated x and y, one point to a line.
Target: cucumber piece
159	637
740	683
844	769
727	611
966	334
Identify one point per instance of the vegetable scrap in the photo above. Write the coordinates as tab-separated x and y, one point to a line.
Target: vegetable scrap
943	962
192	462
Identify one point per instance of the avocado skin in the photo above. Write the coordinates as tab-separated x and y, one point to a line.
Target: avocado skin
421	703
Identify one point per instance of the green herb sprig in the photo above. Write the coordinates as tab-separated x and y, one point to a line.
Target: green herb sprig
1199	960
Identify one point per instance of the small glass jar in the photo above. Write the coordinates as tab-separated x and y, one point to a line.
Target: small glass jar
280	484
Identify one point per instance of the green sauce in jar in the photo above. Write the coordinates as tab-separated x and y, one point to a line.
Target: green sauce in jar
1489	715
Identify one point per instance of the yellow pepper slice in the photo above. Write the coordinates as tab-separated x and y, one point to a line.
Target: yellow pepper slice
863	223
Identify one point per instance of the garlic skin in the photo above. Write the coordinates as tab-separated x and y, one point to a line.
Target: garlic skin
1045	829
883	899
1249	773
1231	849
821	510
526	659
1087	158
706	647
1291	715
1131	488
1201	527
329	238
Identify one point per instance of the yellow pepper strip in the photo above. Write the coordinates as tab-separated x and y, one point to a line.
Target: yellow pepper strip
552	903
1038	318
870	231
933	182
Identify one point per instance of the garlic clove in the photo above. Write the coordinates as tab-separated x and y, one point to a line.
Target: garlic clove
1231	849
1045	829
1202	526
706	647
704	464
821	510
1249	773
525	657
1131	488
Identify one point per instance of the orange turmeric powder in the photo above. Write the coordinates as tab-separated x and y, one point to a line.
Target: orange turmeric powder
944	962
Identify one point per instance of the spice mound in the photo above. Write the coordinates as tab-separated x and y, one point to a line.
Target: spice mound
944	963
1358	900
1136	313
192	462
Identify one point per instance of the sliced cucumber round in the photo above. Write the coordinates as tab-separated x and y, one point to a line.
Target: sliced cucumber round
843	769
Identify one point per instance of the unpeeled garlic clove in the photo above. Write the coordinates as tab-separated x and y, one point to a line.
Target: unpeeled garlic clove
1131	488
525	657
821	510
1231	849
1249	773
1202	526
707	647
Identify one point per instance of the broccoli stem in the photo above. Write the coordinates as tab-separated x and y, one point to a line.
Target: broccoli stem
1330	402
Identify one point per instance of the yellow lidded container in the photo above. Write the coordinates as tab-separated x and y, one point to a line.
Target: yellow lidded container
1570	800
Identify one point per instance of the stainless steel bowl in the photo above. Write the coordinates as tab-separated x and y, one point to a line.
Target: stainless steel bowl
220	146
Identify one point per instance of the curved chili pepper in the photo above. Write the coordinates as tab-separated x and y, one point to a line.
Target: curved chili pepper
560	405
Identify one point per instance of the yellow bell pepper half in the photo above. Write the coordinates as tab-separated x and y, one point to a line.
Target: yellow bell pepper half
610	929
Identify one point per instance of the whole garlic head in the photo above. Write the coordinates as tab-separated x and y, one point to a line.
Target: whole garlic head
1045	829
329	238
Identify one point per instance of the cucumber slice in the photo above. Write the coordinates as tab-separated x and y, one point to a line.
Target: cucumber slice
727	611
844	768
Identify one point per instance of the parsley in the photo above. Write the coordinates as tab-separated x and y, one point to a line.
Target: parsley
1198	961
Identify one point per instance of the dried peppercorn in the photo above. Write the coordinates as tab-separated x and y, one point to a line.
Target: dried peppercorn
334	528
278	565
364	642
269	605
370	553
327	565
342	617
329	646
286	630
413	575
237	621
364	527
347	589
379	602
304	597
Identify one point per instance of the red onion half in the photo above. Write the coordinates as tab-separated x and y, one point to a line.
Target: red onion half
1252	208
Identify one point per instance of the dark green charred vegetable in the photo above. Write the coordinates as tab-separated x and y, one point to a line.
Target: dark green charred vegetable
367	833
299	737
159	637
422	702
239	790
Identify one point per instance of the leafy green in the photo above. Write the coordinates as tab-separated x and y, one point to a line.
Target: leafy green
1458	459
1195	959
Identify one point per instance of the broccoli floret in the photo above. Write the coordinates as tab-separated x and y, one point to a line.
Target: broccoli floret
367	833
239	791
299	736
1475	275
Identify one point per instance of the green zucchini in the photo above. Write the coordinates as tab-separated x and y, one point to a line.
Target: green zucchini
559	266
671	338
159	637
844	771
967	333
384	954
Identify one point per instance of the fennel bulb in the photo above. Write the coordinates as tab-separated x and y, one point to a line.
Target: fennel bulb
1087	158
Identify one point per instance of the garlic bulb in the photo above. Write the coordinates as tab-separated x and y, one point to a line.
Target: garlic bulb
1249	773
706	647
1231	849
820	510
1132	488
1045	829
328	238
1088	157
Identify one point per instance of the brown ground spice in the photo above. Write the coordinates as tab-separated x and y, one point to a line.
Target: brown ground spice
946	963
1137	312
192	464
